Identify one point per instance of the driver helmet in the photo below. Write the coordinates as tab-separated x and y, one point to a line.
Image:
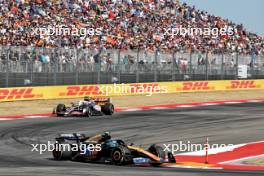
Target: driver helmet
106	136
87	98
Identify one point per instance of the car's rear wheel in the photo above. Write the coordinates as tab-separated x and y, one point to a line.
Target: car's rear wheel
108	109
60	109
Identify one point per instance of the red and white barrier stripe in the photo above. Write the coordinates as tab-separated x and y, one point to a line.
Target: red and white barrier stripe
227	157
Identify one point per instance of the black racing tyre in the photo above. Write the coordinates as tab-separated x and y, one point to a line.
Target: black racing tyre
121	156
88	112
62	151
108	109
60	109
171	158
157	151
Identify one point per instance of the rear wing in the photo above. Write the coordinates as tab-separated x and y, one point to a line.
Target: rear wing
69	137
76	137
102	100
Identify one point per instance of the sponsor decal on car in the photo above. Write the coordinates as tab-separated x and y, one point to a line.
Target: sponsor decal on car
140	160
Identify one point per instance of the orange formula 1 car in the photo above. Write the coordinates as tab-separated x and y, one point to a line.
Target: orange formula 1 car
102	149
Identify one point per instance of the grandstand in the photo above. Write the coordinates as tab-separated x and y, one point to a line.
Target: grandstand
124	40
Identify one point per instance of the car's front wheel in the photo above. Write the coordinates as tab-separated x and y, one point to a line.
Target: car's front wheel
60	109
157	151
88	111
62	151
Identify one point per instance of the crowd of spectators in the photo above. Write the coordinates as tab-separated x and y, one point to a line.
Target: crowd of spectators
123	24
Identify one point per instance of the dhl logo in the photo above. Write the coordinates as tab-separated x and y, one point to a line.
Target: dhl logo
244	84
19	93
82	90
195	86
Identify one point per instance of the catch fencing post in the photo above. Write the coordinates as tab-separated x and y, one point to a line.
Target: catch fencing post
190	69
55	61
99	69
119	66
222	66
137	65
7	67
237	64
173	66
206	66
76	65
156	65
33	55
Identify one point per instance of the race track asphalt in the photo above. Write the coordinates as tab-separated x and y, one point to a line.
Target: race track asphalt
223	124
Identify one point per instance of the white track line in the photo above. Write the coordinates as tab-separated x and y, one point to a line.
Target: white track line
6	119
160	108
234	102
210	104
185	106
255	101
33	117
193	167
132	109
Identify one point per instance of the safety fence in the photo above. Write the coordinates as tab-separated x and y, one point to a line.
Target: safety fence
102	90
29	66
